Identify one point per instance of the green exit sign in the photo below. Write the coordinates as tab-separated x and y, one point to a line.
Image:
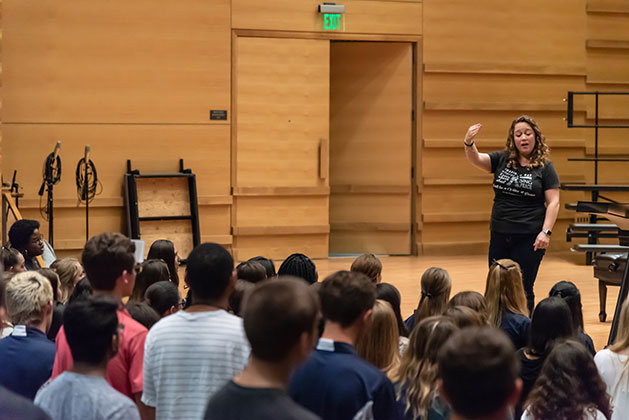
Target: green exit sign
333	22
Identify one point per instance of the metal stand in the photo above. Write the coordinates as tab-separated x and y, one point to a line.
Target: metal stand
52	175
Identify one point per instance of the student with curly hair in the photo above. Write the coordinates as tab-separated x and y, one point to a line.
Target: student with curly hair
569	387
526	202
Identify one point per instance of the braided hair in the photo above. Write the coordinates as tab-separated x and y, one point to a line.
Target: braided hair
299	265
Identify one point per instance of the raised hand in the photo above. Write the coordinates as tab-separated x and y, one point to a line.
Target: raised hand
472	132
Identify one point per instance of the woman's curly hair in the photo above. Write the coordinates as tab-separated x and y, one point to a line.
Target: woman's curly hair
569	385
541	151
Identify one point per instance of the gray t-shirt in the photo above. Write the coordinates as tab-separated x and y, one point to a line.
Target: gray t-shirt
72	396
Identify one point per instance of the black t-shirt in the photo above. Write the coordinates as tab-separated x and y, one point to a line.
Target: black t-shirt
519	201
529	372
236	402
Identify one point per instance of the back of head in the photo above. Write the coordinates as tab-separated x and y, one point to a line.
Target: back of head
345	296
276	315
551	321
143	313
163	249
27	295
464	316
369	265
379	344
473	300
10	257
68	270
504	290
391	294
300	266
162	296
569	292
622	336
20	233
238	294
105	257
251	271
267	264
568	385
90	325
209	270
53	278
151	272
435	292
479	369
82	290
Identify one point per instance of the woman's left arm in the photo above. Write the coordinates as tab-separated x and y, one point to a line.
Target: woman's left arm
552	210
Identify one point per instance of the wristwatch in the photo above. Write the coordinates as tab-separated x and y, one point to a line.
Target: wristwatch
547	232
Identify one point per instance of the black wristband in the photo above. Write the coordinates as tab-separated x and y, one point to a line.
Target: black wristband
468	145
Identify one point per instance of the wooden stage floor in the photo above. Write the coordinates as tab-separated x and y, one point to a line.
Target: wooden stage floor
469	273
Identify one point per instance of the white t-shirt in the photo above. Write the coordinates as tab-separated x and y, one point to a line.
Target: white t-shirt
611	367
187	358
587	416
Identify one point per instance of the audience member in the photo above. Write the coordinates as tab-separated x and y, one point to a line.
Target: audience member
416	384
6	327
435	291
211	341
164	297
380	343
150	272
551	321
165	250
568	291
15	407
369	265
12	260
268	265
280	320
143	313
613	366
251	271
464	316
91	330
24	236
478	372
236	296
569	387
300	266
109	263
26	356
58	307
82	290
335	383
70	272
391	294
506	301
473	300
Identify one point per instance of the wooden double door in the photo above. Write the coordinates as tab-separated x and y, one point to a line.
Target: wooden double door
321	147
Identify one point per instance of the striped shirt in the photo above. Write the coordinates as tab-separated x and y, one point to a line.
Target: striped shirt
187	358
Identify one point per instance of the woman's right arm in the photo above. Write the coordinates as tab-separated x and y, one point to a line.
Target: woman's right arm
480	160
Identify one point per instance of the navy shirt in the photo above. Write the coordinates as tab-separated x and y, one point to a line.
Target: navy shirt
14	406
516	326
26	359
336	384
519	200
410	322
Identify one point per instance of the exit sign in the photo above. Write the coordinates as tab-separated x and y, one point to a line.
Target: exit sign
333	22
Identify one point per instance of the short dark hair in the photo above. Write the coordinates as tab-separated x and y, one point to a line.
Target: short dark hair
162	296
251	271
345	295
369	265
209	270
151	272
299	265
82	290
10	257
143	313
237	295
479	368
52	276
21	231
276	314
105	257
268	265
551	320
89	326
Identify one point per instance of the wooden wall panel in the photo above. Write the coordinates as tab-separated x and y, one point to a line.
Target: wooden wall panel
361	16
116	61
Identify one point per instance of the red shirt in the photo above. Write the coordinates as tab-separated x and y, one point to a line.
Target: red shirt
124	371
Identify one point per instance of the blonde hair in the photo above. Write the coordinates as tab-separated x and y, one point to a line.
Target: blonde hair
541	151
418	369
622	336
369	265
67	269
379	345
504	290
27	295
435	293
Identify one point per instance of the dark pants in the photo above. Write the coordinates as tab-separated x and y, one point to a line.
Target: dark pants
519	248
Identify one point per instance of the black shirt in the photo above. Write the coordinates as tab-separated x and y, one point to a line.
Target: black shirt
519	201
236	402
529	372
